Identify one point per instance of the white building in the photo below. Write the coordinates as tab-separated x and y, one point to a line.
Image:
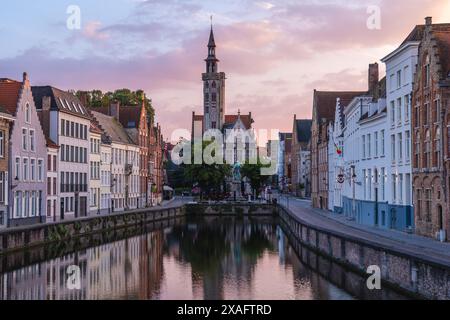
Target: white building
124	163
105	177
94	171
52	182
281	158
400	68
67	122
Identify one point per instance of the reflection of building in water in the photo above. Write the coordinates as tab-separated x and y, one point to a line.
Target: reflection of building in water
57	277
27	283
127	269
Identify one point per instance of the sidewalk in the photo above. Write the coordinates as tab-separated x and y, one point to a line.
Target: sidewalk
412	244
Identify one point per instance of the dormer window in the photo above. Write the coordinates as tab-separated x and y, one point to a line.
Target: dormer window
27	113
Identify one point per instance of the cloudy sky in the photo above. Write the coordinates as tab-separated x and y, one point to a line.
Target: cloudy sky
275	53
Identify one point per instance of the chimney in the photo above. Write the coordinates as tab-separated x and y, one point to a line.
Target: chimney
46	102
84	99
114	109
373	78
428	21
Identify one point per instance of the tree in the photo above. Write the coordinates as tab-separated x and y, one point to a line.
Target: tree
209	177
253	173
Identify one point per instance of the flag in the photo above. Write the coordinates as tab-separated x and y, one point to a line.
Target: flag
338	150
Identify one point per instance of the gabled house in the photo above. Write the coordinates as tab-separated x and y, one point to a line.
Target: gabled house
28	154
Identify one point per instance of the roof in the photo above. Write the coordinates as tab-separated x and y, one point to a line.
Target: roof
112	128
50	143
415	35
303	128
442	37
129	116
232	118
94	128
211	42
59	100
325	102
9	95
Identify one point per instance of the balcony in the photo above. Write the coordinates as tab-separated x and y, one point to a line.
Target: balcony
73	188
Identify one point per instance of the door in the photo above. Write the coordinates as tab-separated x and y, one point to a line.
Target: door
83	209
393	218
62	209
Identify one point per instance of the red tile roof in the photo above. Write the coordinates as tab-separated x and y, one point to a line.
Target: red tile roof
325	102
232	118
9	95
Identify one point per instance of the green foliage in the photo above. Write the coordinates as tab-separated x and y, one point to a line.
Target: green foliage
126	97
210	178
253	173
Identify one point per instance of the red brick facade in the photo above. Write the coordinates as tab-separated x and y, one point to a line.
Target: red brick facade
430	120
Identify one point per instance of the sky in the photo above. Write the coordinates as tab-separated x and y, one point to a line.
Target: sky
274	53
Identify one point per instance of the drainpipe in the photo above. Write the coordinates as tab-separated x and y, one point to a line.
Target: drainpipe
444	170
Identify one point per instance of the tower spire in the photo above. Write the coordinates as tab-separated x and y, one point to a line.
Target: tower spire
211	42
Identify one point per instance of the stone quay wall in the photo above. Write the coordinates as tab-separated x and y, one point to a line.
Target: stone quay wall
40	234
413	273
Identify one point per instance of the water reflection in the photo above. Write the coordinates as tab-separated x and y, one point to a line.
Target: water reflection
218	258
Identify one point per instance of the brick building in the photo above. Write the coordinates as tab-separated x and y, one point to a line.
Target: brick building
324	104
431	95
300	157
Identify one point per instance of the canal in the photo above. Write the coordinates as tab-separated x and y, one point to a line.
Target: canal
205	258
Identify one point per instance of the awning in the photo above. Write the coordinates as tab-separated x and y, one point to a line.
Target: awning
167	188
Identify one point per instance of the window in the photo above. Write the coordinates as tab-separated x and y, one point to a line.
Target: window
418	208
2	188
427	72
383	183
382	143
213	97
399	79
394	188
407	105
400	147
32	140
49	186
437	111
428	205
437	148
393	148
54	163
427	149
25	169
213	125
26	204
40	171
2	144
406	74
400	188
408	145
369	173
399	110
426	114
63	127
376	144
32	169
392	113
17	204
417	150
364	183
24	139
17	169
369	149
363	146
27	113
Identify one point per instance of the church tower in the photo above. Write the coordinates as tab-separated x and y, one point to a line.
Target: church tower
213	90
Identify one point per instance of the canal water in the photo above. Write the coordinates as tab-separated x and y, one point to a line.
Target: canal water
210	258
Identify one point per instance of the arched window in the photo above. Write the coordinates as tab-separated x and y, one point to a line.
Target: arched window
27	113
214	84
427	149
